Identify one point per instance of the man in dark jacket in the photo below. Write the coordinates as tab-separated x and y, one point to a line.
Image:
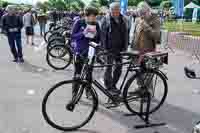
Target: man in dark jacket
114	37
12	25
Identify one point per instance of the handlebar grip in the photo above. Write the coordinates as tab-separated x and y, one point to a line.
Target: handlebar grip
96	46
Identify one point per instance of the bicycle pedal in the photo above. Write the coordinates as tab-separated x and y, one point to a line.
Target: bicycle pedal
111	105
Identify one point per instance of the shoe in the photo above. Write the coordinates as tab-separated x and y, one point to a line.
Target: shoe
21	60
15	60
114	91
88	94
189	73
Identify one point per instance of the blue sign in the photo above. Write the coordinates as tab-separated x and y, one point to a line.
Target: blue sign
124	6
179	7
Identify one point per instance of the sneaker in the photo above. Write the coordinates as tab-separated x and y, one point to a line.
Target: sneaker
15	60
189	73
21	60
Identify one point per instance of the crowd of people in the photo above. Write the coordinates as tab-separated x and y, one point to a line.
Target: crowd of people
139	29
12	20
115	32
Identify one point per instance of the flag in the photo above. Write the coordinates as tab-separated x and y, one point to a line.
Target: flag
179	7
124	6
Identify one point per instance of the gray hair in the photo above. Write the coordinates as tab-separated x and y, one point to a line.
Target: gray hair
143	7
114	5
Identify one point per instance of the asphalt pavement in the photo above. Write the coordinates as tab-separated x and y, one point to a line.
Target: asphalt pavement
24	85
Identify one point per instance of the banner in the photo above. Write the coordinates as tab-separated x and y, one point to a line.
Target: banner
124	6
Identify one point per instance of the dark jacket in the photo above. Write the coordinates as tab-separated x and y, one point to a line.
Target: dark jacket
12	23
81	42
42	19
114	36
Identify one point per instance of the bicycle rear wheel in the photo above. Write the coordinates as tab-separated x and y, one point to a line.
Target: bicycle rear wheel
154	82
57	100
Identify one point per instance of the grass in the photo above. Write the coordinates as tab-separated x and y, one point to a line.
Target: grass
188	27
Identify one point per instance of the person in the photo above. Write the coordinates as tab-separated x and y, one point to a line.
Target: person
147	35
29	22
42	19
114	38
84	31
132	29
147	30
12	25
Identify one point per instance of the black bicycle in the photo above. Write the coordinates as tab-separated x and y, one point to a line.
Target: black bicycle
60	52
72	110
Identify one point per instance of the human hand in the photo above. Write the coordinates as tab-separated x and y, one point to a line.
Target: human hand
90	32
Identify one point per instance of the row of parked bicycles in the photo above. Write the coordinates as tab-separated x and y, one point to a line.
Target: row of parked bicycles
143	86
59	51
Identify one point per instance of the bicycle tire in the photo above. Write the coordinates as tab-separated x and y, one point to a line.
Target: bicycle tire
55	41
132	79
64	51
46	37
71	128
56	67
55	35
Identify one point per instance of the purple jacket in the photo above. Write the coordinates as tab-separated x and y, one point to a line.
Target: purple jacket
81	42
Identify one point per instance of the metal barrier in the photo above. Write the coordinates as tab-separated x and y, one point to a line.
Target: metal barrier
182	41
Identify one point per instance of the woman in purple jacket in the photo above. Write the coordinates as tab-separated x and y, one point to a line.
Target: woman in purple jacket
84	31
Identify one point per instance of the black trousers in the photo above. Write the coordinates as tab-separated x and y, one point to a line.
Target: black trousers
15	43
112	73
78	65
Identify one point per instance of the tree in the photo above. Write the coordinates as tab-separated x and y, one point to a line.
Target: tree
166	4
104	2
80	4
42	6
154	2
75	6
134	2
4	4
95	3
58	4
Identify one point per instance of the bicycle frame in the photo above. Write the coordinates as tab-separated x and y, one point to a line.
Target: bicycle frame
89	68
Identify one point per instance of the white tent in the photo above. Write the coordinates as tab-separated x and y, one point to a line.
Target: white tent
191	5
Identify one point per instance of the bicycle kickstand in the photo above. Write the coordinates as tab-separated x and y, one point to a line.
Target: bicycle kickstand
147	114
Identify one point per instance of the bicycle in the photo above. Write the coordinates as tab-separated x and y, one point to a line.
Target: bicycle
61	52
127	96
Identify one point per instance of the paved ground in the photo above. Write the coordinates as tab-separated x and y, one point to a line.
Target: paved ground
24	85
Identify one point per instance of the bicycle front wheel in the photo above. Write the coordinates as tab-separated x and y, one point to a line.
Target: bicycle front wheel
59	57
153	82
55	107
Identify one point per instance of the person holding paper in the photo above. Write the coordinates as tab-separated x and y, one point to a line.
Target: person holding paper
84	31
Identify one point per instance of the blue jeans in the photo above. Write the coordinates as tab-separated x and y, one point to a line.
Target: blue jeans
42	28
15	43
